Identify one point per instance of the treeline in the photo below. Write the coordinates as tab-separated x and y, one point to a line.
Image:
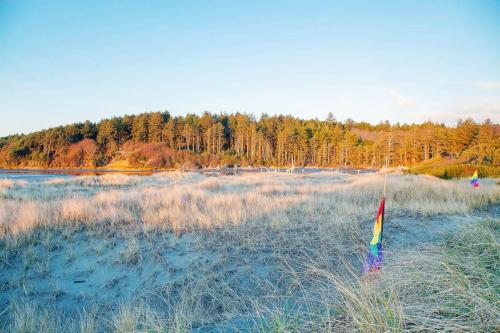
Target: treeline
158	140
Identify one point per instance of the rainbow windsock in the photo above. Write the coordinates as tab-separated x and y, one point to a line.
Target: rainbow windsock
374	259
475	180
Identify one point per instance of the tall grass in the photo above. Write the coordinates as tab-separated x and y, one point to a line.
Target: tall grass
198	202
271	253
449	287
452	169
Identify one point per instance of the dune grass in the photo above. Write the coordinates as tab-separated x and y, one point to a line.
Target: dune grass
182	202
274	253
451	286
451	169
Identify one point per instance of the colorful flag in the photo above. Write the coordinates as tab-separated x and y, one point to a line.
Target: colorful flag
374	258
475	179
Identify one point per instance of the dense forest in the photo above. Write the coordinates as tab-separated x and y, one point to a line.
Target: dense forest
158	140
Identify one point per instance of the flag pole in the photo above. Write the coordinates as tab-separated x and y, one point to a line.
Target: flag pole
383	199
374	258
387	162
385	176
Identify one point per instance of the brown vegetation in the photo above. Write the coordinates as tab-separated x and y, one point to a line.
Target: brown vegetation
170	202
268	252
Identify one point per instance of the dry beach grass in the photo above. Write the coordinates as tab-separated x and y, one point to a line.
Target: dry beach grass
263	252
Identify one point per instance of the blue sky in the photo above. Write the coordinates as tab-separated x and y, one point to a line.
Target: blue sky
406	61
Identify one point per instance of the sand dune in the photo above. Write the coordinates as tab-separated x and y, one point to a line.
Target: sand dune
270	252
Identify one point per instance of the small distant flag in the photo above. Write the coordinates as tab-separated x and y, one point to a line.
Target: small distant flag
475	180
374	259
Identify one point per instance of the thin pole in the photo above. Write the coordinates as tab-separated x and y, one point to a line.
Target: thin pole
387	162
385	176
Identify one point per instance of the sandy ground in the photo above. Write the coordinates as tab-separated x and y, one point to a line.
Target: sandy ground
216	274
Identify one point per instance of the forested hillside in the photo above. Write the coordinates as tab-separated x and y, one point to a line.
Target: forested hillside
158	140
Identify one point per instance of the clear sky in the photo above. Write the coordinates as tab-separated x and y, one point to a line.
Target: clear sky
406	61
